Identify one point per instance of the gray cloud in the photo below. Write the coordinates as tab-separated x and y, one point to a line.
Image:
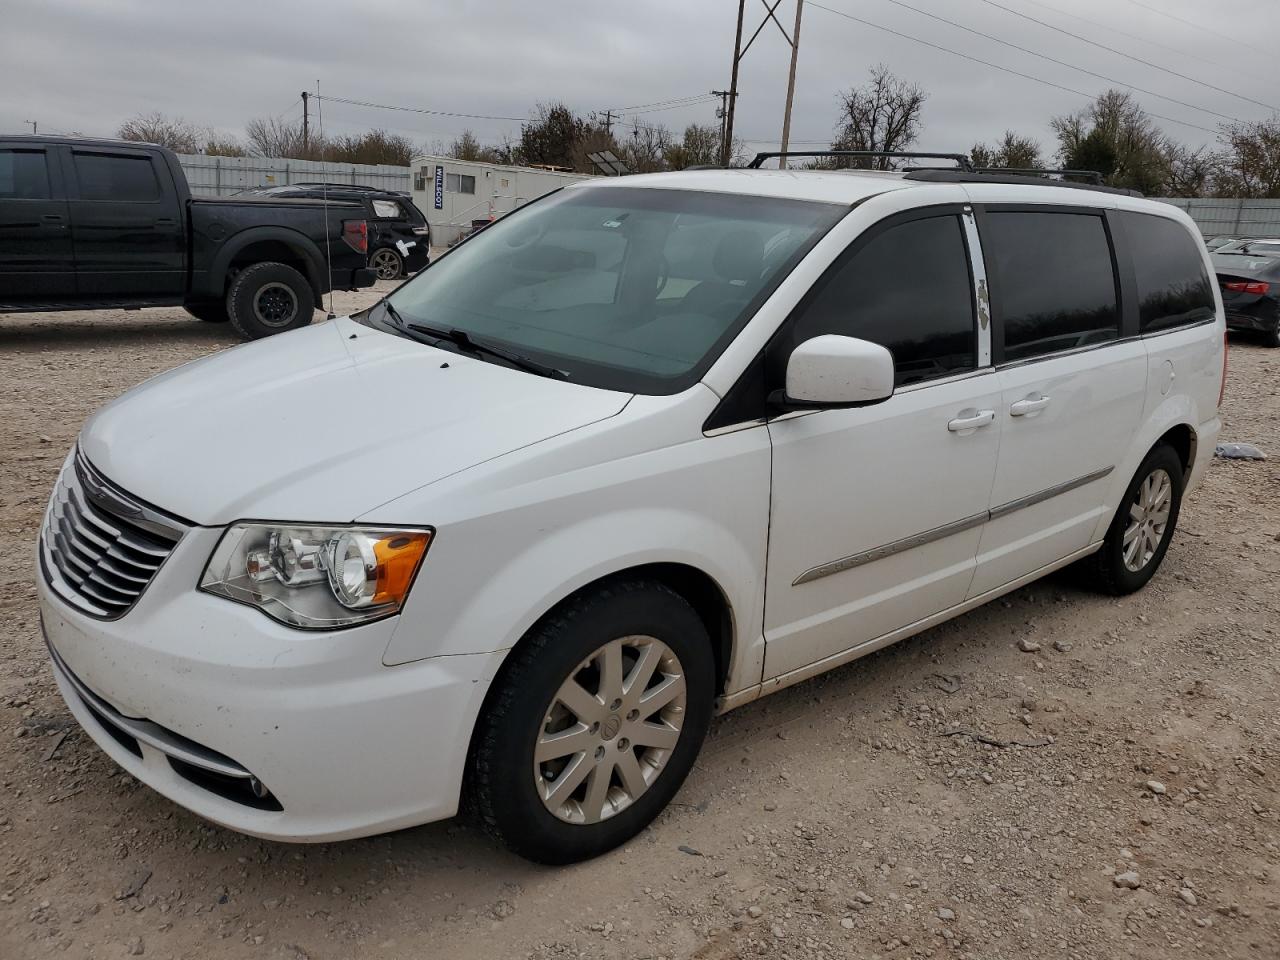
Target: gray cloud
86	65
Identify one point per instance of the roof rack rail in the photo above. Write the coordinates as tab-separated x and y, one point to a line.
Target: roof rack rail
1092	176
982	176
962	162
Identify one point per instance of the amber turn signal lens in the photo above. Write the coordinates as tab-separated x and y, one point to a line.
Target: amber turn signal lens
398	557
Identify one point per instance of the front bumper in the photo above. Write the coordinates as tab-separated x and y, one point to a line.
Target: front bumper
211	703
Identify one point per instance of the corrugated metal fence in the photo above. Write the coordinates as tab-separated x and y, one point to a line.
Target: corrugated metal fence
1220	217
223	176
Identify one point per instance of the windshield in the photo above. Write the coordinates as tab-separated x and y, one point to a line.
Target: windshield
625	288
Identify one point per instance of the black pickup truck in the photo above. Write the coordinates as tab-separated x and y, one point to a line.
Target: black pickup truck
99	224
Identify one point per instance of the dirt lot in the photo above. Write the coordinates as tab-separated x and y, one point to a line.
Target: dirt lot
837	819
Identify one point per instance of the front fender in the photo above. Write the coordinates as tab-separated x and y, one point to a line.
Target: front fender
510	546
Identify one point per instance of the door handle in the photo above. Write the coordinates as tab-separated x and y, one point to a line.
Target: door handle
1029	406
52	217
971	420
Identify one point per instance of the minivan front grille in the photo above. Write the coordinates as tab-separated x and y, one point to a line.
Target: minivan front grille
100	547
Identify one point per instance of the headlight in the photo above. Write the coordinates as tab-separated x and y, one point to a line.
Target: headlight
317	577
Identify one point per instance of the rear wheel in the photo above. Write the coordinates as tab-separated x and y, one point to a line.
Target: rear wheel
594	723
210	311
268	298
387	263
1139	534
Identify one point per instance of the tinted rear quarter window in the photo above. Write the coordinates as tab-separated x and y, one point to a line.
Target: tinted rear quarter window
1174	288
105	176
1057	283
908	288
24	175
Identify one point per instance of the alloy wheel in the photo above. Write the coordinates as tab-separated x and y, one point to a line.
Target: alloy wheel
610	730
275	305
385	264
1148	520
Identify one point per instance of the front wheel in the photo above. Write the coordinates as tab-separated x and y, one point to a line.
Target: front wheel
1139	534
268	298
594	723
387	263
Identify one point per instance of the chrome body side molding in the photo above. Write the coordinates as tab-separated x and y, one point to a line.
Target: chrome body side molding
947	529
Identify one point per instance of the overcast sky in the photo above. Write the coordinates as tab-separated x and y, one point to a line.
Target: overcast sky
85	65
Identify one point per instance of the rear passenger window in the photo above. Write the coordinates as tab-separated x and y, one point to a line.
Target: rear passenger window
24	175
387	209
1057	284
907	289
105	176
1174	289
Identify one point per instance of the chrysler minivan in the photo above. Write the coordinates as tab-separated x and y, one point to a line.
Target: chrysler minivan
641	452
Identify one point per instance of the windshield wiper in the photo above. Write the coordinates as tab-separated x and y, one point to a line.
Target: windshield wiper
471	345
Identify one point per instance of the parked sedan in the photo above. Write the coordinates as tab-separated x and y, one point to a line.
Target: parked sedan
1250	282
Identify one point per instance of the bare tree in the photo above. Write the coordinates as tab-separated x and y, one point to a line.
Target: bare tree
884	114
173	132
1188	171
466	147
700	146
271	137
1012	151
375	146
1249	166
1115	137
222	145
645	151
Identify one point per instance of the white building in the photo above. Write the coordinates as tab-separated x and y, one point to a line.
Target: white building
454	194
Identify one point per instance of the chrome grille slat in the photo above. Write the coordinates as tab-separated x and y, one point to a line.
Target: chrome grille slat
100	547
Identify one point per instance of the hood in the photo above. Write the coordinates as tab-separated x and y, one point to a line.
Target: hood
323	424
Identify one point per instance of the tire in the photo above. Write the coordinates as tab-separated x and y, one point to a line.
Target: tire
269	298
1271	338
646	623
210	311
387	263
1119	567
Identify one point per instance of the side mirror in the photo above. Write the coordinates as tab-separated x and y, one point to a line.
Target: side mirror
832	371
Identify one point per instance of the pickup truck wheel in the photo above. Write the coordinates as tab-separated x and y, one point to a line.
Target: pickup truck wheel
269	298
387	263
594	722
210	311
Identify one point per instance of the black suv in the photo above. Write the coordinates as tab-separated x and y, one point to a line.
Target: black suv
394	220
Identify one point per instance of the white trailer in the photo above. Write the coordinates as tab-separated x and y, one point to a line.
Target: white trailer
455	194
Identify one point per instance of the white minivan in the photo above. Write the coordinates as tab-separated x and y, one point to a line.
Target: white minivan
640	452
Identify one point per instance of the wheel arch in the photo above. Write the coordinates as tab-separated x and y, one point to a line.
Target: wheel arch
269	245
1185	442
697	587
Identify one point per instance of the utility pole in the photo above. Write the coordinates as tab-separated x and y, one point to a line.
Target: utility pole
608	122
722	111
306	123
791	86
726	143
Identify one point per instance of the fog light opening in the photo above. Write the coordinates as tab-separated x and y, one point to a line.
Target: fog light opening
258	788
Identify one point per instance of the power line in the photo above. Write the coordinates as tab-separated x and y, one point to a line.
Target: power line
1132	36
1127	56
1061	63
675	102
994	66
422	110
1199	26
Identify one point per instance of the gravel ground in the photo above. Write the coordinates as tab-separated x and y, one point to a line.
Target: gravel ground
844	817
